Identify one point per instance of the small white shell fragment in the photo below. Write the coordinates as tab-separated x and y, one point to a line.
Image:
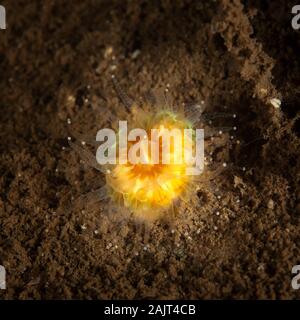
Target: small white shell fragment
270	204
135	54
108	51
276	103
108	246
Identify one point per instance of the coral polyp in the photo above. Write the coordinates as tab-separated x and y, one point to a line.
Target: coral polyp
153	187
149	188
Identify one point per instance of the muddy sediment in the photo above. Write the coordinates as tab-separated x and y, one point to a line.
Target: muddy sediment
56	63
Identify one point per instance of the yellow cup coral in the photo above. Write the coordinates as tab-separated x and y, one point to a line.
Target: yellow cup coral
148	188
